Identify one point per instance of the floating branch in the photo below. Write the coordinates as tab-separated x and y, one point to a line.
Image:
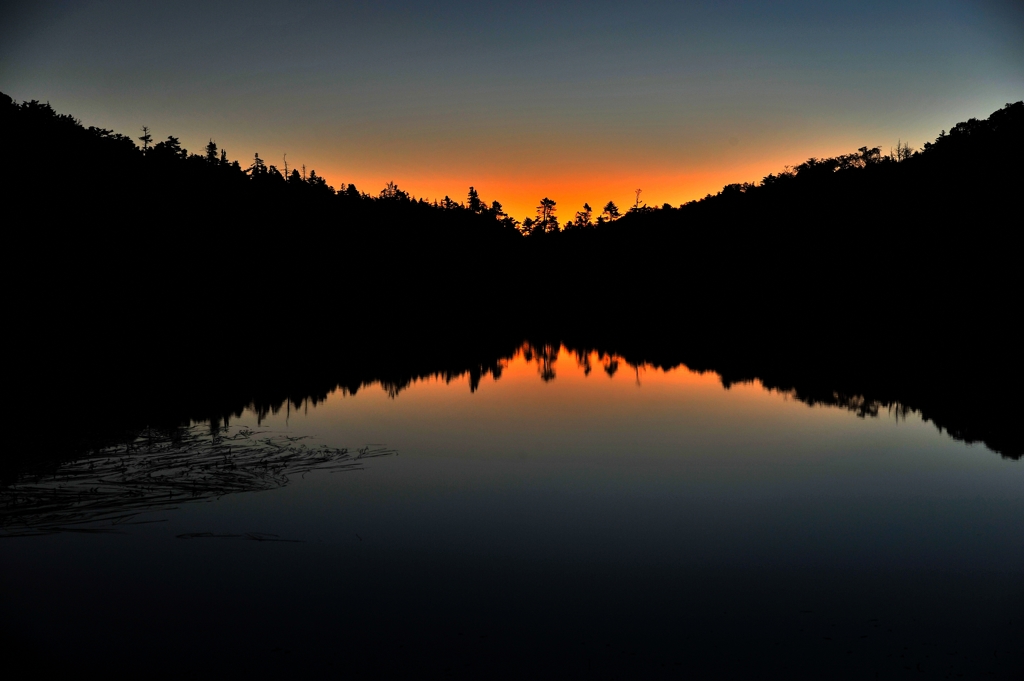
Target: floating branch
160	470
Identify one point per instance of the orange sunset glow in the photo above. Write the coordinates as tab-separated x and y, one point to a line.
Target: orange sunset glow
677	100
547	339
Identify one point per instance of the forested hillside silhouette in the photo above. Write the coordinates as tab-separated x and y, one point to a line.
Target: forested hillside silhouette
142	273
152	223
837	240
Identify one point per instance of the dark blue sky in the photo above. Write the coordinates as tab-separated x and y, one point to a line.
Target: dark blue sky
579	101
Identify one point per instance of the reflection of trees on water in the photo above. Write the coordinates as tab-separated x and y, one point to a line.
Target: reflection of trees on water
83	478
545	356
942	409
869	401
476	372
859	404
393	381
159	470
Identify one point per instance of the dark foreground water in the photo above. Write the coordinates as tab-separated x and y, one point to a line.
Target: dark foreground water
636	525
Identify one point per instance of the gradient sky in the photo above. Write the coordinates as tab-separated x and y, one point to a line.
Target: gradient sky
572	100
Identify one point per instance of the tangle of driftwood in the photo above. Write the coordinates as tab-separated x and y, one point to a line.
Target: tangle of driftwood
159	470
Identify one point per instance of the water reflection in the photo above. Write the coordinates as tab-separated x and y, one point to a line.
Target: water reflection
944	404
112	412
127	468
595	513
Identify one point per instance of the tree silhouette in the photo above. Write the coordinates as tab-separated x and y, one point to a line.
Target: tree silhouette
258	167
546	220
169	150
902	152
474	203
391	192
583	218
869	156
611	210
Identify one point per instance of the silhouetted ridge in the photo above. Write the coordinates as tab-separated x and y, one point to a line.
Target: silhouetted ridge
199	285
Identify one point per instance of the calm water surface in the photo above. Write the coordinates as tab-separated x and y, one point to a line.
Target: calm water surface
584	525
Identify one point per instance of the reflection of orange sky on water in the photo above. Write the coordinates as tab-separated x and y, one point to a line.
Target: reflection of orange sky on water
521	393
524	376
519	414
638	410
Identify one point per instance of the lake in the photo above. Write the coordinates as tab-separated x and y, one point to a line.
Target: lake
568	515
